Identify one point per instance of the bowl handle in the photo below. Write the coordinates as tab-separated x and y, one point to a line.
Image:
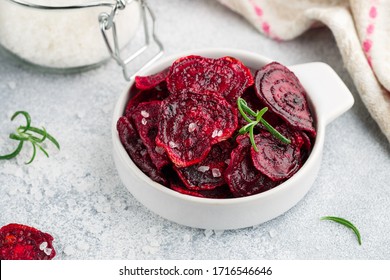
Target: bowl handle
329	94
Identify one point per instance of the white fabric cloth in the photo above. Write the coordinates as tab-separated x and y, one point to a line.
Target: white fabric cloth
361	29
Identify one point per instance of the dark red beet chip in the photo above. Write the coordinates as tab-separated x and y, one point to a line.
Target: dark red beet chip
241	175
225	76
145	117
219	192
159	92
207	174
282	92
276	160
149	82
20	242
191	123
137	150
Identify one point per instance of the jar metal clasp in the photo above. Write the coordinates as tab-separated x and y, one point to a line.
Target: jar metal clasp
107	24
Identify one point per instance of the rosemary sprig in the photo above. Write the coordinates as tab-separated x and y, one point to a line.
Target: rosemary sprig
244	109
346	223
26	134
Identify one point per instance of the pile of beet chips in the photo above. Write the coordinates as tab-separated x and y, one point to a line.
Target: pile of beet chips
180	127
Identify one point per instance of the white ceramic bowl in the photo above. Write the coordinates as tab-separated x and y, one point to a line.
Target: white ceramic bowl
328	98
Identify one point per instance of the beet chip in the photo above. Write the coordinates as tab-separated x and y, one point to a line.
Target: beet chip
145	118
241	175
276	160
191	123
149	82
20	242
137	150
207	174
281	90
225	76
219	192
159	92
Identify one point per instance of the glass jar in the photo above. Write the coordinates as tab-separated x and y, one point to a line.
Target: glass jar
74	35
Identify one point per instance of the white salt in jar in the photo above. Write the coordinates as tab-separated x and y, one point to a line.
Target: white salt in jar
67	34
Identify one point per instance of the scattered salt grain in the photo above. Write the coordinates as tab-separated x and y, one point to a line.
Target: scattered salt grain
159	150
145	114
144	121
82	245
47	251
219	133
203	168
272	233
192	127
216	172
172	144
43	246
208	232
69	250
12	85
149	249
187	238
215	134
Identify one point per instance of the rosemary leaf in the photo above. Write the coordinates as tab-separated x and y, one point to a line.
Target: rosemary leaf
345	223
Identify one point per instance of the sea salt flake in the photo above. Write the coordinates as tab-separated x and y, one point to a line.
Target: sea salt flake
69	250
187	238
43	246
159	150
144	121
172	144
12	85
216	172
272	233
47	251
145	114
208	232
215	134
203	168
192	127
219	133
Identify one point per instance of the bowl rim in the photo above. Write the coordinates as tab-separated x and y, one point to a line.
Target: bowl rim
315	154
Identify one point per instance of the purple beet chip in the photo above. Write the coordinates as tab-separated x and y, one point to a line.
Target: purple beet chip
241	175
191	123
208	174
137	150
282	92
276	160
146	117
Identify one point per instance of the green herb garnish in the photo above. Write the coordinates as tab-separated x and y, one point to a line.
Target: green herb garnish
346	223
26	133
258	118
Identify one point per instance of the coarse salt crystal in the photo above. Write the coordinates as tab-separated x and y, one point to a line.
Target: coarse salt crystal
144	121
215	134
219	133
216	172
172	144
47	251
159	150
43	246
192	127
144	114
203	168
